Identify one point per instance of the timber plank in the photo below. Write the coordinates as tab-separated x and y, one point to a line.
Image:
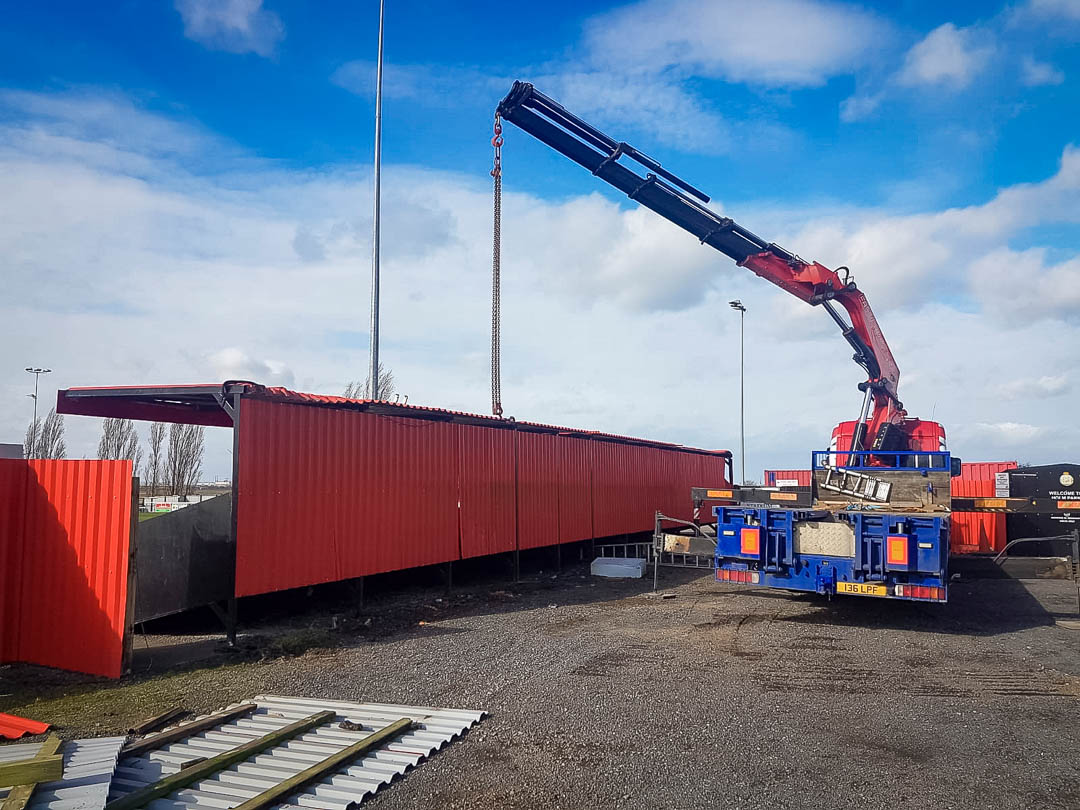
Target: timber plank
19	796
32	771
186	730
294	784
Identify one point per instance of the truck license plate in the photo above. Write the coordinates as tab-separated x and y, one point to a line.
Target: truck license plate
862	589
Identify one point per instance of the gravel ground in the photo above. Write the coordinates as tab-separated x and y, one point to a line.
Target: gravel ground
602	695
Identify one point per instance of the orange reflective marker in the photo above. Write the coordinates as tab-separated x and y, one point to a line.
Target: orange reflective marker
896	552
750	541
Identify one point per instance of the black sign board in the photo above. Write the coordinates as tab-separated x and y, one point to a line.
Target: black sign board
1058	484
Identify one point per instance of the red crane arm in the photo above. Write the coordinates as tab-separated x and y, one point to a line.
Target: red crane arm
678	201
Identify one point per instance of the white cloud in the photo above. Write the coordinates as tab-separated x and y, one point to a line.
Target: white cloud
959	252
236	26
858	107
1050	9
1010	432
947	56
654	105
637	66
437	85
232	363
123	267
1034	73
789	43
1036	387
1020	285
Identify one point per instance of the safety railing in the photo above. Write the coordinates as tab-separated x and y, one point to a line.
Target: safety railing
917	460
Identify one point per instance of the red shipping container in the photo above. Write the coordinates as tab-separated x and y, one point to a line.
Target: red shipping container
978	532
789	478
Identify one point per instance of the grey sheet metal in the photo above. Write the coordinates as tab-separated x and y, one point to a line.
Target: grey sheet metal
348	787
88	770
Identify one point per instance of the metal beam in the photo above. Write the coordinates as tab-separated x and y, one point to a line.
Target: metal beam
177	781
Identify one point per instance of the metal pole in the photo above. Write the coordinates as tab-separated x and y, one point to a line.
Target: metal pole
37	372
33	444
738	305
373	366
742	390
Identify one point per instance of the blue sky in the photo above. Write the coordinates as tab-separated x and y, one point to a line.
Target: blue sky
194	149
950	141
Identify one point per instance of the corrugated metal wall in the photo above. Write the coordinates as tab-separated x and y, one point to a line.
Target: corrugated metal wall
67	532
325	494
537	489
977	532
487	486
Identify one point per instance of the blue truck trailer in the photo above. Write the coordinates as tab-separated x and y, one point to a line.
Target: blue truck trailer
863	529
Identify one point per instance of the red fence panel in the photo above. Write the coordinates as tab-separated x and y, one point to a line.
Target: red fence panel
574	476
327	494
537	489
66	577
487	491
977	532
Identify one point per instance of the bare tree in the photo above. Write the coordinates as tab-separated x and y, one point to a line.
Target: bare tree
387	388
120	440
183	460
30	442
156	461
45	437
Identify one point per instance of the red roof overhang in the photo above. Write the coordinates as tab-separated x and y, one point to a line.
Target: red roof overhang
185	404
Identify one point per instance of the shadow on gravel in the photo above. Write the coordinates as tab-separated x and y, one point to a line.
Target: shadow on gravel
981	608
386	607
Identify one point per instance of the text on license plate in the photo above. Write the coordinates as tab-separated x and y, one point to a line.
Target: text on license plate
862	589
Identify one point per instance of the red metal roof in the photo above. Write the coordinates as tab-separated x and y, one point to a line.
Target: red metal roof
14	727
198	404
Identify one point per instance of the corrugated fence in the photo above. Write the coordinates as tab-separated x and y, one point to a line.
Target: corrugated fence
325	494
64	548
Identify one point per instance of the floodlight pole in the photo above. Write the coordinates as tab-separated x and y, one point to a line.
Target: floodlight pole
373	366
738	305
37	372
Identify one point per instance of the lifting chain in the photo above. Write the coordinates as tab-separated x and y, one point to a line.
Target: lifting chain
496	250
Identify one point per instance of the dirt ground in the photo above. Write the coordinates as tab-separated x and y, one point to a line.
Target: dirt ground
602	695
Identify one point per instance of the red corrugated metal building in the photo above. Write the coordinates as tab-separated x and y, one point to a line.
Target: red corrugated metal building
327	488
65	534
978	532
